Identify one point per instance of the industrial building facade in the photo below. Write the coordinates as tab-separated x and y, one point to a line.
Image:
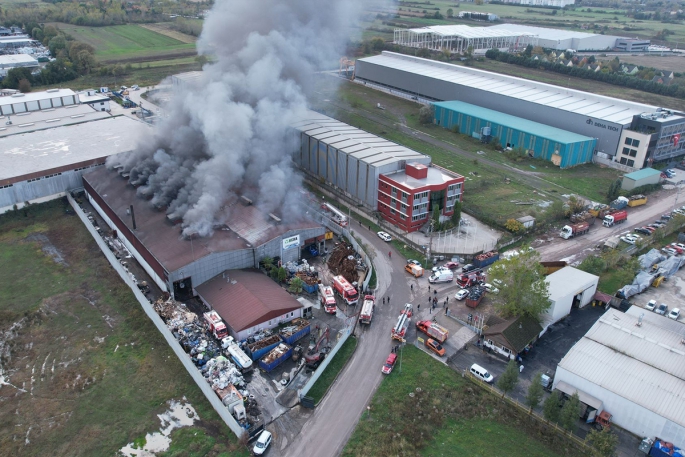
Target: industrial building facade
564	149
461	38
586	114
561	40
407	197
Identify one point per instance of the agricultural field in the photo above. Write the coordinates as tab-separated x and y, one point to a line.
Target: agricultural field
128	43
84	372
428	409
166	29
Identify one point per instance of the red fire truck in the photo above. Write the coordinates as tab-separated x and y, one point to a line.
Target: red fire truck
366	313
400	329
327	299
345	290
215	325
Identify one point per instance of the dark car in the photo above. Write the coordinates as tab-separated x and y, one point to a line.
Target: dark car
468	268
643	230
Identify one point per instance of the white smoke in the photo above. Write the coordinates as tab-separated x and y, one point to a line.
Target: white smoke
230	133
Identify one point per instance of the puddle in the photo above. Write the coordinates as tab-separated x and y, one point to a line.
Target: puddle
179	414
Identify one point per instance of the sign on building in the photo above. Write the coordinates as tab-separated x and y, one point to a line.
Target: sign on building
291	242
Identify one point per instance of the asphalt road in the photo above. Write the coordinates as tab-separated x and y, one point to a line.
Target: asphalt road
330	426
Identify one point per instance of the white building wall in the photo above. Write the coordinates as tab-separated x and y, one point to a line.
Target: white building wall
626	414
242	335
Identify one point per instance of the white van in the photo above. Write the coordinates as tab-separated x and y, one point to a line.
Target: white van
481	373
441	276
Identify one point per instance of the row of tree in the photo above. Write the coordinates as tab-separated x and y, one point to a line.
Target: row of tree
672	90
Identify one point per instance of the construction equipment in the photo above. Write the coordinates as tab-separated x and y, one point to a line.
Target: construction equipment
316	351
400	329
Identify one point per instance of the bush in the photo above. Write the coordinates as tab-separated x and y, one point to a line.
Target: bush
426	115
514	226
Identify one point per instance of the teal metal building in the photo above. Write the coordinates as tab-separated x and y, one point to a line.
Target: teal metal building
564	149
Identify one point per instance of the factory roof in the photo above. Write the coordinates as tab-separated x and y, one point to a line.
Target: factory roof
574	101
643	364
434	177
567	281
34	152
245	298
246	226
544	32
11	60
83	97
507	120
466	31
35	96
642	174
14	39
48	119
362	145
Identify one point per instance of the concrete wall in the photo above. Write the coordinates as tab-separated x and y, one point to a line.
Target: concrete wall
607	133
626	414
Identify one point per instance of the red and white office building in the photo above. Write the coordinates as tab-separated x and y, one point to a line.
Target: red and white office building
406	197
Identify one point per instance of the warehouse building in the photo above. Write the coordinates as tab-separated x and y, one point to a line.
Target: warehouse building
36	101
179	264
561	39
9	61
643	177
249	301
564	149
44	153
594	116
633	366
459	38
568	288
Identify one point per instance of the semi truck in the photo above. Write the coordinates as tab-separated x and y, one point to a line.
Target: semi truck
343	288
570	231
366	313
618	217
215	325
327	299
432	329
485	259
399	331
637	200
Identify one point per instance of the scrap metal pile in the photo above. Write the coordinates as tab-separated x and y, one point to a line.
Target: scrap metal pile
345	261
582	217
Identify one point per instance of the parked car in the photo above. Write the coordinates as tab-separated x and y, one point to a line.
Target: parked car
630	239
669	251
490	288
674	314
662	309
667	217
680	245
462	294
415	262
452	265
135	87
651	305
676	248
468	268
389	364
262	443
384	236
670	172
435	347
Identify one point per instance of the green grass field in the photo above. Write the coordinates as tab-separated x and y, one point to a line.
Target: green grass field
428	409
126	42
91	371
324	382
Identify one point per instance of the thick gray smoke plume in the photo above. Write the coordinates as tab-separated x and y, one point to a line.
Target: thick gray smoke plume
230	132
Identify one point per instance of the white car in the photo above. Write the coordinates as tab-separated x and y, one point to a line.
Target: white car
651	306
462	294
490	288
631	239
384	236
262	443
674	314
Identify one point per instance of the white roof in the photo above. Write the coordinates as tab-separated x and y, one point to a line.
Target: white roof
568	281
98	97
645	365
48	119
465	31
33	96
17	59
574	101
47	149
545	33
357	143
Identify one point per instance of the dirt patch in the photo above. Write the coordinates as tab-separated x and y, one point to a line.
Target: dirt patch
673	63
47	247
163	29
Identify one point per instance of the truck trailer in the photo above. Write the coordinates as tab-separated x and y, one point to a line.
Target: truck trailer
637	200
366	313
485	259
432	329
275	357
618	217
573	230
232	350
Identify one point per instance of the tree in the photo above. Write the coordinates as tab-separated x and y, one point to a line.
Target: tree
456	215
528	51
508	380
550	409
282	274
377	44
593	264
296	285
56	44
524	290
570	412
614	189
37	33
426	115
435	216
24	86
603	442
450	12
535	392
514	226
575	204
555	211
268	263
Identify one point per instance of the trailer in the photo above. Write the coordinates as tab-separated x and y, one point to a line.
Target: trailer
476	295
237	355
637	200
257	349
366	313
298	329
399	331
485	259
275	357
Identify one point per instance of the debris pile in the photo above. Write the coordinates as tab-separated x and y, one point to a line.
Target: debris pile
220	372
582	217
344	261
301	267
486	255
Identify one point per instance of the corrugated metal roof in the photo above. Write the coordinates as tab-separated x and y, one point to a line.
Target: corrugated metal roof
245	298
567	281
641	174
645	364
575	101
36	96
518	123
465	31
545	33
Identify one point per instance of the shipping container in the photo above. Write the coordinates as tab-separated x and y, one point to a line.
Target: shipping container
275	357
309	288
485	259
258	349
476	295
297	330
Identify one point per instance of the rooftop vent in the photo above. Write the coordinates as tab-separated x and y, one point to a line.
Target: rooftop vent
192	235
246	200
52	90
276	219
17	95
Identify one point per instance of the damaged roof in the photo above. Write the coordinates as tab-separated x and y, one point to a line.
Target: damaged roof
245	298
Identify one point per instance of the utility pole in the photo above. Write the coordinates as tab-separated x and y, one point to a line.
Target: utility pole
430	241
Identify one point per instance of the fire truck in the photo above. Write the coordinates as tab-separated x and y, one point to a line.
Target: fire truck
400	329
335	214
327	299
345	290
366	313
215	325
